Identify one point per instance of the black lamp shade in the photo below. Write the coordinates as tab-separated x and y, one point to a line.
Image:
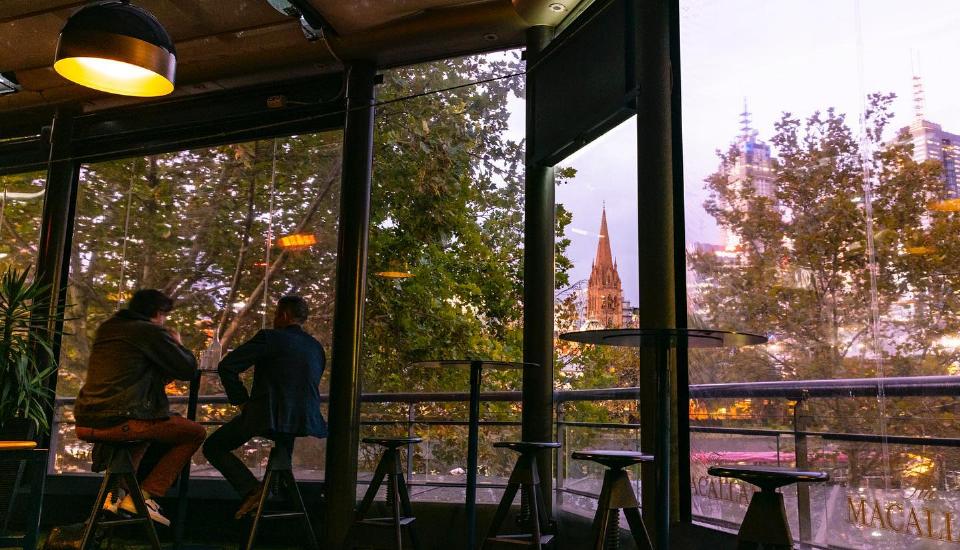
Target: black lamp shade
118	48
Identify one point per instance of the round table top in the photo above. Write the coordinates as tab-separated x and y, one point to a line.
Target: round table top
673	337
487	364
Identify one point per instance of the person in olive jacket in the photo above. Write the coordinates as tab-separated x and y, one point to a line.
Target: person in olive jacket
284	402
123	398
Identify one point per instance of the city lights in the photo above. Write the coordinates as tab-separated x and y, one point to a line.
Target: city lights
297	241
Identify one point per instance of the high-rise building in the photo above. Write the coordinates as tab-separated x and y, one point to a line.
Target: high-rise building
604	291
751	165
931	142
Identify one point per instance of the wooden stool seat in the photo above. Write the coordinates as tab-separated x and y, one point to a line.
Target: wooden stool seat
390	468
765	523
615	495
768	478
612	459
280	472
120	470
392	442
533	514
526	446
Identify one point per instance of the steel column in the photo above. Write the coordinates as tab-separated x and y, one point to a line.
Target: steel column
680	268
657	246
538	286
56	229
344	408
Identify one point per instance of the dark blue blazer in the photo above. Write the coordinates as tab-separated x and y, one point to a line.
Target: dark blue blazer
285	398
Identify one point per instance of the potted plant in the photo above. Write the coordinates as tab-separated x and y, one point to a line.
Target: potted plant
26	356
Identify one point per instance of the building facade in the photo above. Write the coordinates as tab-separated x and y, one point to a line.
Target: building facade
931	142
604	291
750	166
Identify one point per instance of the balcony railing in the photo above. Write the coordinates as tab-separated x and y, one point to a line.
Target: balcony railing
791	440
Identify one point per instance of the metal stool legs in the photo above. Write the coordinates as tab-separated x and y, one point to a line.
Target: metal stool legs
398	499
524	479
617	494
280	472
120	471
765	523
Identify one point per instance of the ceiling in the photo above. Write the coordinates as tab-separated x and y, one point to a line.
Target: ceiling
250	42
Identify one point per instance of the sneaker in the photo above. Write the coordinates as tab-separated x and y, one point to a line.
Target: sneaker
153	509
113	500
250	503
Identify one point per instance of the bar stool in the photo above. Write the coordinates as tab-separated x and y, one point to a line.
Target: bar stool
525	479
765	523
280	473
615	495
119	471
391	468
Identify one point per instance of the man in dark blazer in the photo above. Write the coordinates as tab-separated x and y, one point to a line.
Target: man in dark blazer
284	402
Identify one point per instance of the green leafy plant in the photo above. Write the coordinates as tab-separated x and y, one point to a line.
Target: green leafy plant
26	348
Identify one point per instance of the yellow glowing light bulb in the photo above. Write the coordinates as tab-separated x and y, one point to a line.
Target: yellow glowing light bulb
117	77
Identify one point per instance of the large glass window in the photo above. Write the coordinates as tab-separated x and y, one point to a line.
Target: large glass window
821	211
598	287
21	204
444	265
225	231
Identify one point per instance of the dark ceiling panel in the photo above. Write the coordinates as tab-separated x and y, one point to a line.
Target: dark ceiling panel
362	15
225	44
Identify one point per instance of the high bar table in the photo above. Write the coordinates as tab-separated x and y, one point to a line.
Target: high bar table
473	435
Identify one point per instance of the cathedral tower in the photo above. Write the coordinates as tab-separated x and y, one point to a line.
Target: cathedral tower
604	293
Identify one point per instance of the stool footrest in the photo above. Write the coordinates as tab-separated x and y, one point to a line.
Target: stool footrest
523	540
119	522
282	515
386	522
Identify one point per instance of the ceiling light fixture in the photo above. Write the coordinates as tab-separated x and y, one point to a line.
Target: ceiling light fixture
8	83
118	48
395	270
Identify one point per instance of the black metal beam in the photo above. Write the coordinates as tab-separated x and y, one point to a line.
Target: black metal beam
538	283
56	232
344	409
26	154
257	112
680	263
656	246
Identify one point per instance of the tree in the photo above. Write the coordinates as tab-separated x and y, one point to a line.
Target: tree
803	273
447	203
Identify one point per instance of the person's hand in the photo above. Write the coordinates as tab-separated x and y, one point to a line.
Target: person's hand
175	335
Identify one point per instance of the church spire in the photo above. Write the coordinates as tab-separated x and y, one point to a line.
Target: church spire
604	292
604	257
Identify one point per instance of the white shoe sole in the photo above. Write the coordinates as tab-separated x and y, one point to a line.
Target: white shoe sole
162	520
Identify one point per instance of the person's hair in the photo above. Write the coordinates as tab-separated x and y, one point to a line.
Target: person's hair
295	306
149	302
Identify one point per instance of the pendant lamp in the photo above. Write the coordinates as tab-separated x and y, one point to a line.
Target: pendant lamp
118	48
395	270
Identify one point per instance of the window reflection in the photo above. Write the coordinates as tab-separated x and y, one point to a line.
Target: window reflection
825	222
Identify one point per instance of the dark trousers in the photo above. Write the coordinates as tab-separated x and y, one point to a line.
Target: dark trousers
219	449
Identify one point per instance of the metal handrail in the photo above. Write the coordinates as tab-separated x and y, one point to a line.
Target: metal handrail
799	391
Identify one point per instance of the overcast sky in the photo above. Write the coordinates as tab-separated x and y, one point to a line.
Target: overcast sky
786	55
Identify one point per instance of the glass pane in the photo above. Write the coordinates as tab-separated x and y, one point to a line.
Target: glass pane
210	227
820	211
21	205
444	265
597	280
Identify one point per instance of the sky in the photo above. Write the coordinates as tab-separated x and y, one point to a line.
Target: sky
796	56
